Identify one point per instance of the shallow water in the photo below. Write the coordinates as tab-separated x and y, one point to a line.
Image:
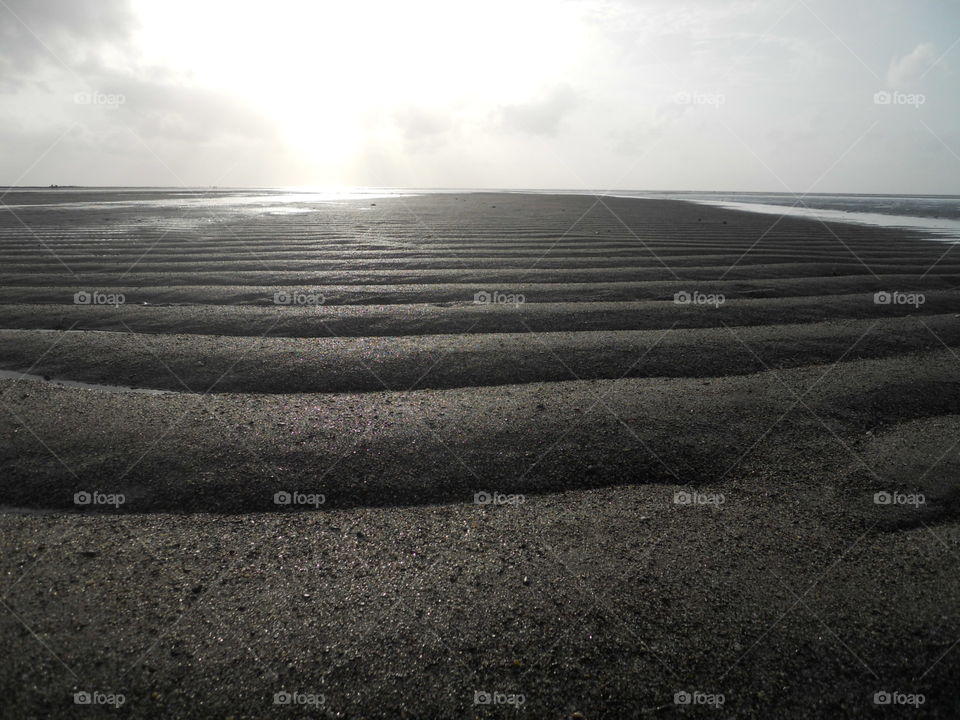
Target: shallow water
262	200
944	228
938	215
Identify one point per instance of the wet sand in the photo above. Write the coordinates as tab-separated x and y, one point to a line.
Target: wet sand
778	413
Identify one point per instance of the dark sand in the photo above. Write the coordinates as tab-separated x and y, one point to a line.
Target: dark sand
399	399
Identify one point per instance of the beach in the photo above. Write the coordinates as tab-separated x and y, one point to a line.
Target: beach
475	455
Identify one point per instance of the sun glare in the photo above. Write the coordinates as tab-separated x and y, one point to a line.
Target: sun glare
332	76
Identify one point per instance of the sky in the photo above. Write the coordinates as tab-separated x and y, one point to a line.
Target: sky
740	95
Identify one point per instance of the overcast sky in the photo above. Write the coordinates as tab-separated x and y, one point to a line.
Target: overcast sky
778	95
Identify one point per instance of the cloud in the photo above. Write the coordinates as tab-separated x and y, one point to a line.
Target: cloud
189	114
907	70
422	128
35	33
540	117
58	61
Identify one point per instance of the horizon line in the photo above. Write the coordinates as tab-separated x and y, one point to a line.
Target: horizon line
356	188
